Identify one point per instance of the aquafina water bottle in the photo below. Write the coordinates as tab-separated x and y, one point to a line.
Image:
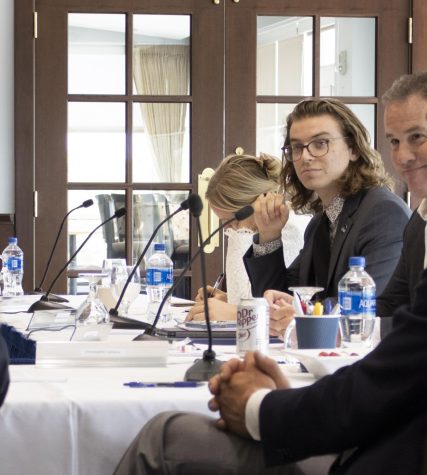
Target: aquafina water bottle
159	280
356	296
12	269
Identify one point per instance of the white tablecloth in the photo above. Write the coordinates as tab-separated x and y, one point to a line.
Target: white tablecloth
79	421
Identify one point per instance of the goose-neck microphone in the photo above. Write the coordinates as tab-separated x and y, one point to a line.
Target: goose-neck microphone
45	303
151	329
203	369
189	203
39	288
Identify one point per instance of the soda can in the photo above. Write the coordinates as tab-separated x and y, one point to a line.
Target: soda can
252	330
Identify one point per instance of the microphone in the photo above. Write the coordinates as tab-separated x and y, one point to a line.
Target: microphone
186	204
151	329
203	369
39	289
45	303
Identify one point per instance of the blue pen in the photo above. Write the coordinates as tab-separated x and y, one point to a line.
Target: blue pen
175	384
329	303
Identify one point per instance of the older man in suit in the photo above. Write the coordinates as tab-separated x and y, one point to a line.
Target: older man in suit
406	129
373	411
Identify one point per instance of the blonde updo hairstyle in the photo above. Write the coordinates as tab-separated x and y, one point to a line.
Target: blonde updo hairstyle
240	179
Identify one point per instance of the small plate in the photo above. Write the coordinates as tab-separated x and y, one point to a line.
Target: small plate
215	325
320	366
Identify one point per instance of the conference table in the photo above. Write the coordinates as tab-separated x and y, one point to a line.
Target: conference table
76	420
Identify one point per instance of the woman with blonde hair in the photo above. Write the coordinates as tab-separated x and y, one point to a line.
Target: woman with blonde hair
238	181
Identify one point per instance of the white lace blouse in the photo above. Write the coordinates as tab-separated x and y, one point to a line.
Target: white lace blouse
239	241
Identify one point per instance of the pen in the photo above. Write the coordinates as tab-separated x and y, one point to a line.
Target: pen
328	304
175	384
217	284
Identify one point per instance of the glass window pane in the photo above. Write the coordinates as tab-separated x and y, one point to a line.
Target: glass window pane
161	54
161	152
106	241
366	113
271	121
96	142
347	56
149	209
284	56
96	53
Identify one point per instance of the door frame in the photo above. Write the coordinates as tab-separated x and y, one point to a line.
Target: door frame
206	147
24	122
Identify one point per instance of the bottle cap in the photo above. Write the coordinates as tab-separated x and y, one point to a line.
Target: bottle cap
159	246
358	261
12	240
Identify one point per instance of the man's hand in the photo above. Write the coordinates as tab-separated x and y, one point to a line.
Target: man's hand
274	297
280	318
270	214
282	311
237	381
218	311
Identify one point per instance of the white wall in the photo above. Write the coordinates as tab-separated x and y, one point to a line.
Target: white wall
7	170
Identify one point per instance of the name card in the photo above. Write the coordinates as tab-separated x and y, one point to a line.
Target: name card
102	353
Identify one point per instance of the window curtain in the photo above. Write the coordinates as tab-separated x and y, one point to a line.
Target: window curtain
164	70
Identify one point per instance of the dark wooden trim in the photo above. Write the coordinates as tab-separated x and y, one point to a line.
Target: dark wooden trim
126	186
207	113
24	134
295	99
126	98
316	56
419	35
7	219
240	77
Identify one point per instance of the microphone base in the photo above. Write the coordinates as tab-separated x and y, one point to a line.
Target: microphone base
204	369
152	334
51	297
147	337
126	323
48	305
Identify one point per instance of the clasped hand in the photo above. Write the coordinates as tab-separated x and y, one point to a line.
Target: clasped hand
282	311
236	382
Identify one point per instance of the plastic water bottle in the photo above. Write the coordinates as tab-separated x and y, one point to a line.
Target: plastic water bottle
13	269
159	280
356	296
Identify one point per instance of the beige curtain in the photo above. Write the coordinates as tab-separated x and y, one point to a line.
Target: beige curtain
164	70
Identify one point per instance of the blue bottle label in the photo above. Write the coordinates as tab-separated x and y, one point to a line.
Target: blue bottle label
356	302
157	276
14	263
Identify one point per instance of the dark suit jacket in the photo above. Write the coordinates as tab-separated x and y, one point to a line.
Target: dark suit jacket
371	224
360	405
4	371
401	287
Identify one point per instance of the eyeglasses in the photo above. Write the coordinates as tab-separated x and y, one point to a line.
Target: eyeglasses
316	148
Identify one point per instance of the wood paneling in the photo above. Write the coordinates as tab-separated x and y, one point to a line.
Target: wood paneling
24	134
419	36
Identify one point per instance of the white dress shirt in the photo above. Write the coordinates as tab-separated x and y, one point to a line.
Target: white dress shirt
422	211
